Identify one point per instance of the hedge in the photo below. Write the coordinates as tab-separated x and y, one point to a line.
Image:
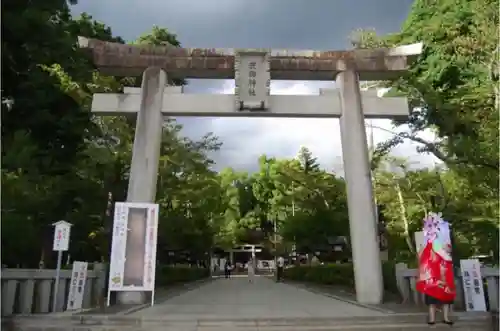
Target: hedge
340	274
168	275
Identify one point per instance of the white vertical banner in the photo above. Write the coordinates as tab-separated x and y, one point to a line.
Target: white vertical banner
77	285
419	240
118	245
473	285
119	248
150	249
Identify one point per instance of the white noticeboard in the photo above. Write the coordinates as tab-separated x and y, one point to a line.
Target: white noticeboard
473	285
252	80
119	245
61	236
77	285
419	240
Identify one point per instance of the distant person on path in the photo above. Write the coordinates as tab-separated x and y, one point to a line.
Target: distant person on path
227	269
435	279
251	270
280	268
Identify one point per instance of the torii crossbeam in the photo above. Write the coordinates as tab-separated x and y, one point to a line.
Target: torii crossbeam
131	60
176	103
252	70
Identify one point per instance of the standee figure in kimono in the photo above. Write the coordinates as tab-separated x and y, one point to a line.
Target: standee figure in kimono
436	279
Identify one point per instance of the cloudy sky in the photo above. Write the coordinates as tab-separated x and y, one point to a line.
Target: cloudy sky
294	24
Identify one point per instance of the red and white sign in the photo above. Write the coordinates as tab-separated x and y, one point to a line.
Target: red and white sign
61	236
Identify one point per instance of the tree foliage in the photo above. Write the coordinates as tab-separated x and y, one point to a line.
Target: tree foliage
61	162
453	87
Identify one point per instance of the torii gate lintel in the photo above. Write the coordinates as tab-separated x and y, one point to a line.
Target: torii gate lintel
215	63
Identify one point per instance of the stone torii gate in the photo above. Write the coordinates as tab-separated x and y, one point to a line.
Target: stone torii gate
252	70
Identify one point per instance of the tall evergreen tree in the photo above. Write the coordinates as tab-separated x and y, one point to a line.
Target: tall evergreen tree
307	161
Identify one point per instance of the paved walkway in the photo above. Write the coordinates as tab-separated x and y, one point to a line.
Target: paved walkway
235	305
236	298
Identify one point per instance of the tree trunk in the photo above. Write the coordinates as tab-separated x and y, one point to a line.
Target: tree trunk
405	219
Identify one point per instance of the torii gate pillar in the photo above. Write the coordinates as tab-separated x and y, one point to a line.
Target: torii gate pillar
143	174
362	218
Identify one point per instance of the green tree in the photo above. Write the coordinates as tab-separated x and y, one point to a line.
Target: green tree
46	125
452	84
452	87
231	229
307	161
302	204
158	37
407	196
60	162
188	192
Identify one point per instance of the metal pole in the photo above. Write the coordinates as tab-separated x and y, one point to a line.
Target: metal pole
375	203
268	166
275	238
372	153
275	253
56	285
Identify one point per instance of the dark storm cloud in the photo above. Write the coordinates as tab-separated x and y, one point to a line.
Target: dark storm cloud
300	24
292	24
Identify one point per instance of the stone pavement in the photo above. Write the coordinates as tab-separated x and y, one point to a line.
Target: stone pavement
237	305
236	298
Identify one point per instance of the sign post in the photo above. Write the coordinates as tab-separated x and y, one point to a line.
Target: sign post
122	223
77	285
473	285
61	244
